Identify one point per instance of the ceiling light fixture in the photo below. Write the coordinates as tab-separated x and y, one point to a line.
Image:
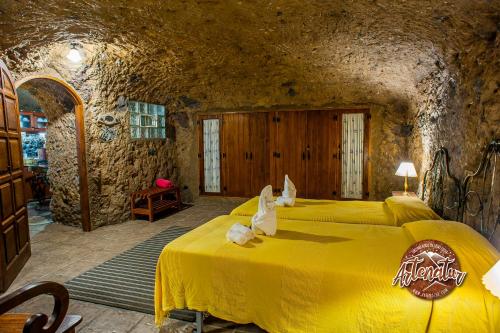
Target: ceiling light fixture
74	55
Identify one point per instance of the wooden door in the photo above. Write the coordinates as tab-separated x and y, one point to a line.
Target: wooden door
236	154
14	233
259	153
288	150
322	157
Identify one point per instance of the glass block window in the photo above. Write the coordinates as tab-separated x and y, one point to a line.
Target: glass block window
147	121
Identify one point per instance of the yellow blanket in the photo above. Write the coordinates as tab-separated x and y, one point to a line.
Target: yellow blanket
322	277
469	308
358	212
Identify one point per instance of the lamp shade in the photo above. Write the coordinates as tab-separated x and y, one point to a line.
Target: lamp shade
406	169
491	279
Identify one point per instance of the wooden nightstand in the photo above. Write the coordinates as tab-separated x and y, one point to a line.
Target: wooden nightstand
402	194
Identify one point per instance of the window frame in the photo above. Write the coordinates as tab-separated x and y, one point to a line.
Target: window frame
154	111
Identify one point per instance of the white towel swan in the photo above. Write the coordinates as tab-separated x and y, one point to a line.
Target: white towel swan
239	234
288	195
265	219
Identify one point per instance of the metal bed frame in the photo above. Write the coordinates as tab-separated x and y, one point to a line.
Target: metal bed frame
473	200
436	189
480	207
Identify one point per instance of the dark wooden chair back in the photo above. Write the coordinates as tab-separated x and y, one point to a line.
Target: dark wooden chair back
58	321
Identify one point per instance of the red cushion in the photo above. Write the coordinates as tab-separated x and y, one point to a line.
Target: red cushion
164	183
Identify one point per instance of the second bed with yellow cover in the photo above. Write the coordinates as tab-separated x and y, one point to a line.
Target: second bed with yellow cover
323	277
392	211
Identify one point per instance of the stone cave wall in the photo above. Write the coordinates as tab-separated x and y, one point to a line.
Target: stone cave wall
428	72
115	168
461	111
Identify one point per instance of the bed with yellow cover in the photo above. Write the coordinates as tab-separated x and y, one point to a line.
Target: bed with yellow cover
323	277
392	211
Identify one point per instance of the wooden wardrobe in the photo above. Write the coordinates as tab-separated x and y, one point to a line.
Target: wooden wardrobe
258	148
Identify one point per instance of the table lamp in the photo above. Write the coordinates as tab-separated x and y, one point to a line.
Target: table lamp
491	279
406	169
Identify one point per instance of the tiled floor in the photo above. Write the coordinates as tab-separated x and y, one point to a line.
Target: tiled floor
39	217
60	253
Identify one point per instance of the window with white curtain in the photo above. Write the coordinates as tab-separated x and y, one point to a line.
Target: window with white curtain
211	155
352	155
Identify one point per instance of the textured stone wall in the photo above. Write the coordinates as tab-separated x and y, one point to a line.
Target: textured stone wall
116	168
427	69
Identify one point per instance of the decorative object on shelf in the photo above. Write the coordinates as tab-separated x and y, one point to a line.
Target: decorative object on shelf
34	150
164	183
107	119
121	103
33	121
147	121
406	169
108	134
491	279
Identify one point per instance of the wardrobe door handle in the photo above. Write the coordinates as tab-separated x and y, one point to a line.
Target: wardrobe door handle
251	156
303	156
308	155
246	156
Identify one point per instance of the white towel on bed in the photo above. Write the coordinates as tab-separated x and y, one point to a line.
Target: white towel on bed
265	219
239	234
288	195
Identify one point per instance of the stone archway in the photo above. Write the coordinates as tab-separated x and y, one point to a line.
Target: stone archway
71	113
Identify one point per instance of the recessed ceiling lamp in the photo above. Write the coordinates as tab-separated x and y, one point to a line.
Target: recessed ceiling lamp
74	55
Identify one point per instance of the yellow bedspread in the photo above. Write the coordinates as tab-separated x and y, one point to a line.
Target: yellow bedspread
322	277
358	212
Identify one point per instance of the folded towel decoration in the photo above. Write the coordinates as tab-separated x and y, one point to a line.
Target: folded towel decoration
265	219
239	234
288	195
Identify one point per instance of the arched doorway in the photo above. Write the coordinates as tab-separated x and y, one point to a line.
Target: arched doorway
67	148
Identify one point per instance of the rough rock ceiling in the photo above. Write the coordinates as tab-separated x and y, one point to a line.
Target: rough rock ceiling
53	98
392	45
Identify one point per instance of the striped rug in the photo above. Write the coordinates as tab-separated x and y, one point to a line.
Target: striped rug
127	280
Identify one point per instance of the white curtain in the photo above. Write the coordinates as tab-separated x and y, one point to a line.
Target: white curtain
352	155
211	155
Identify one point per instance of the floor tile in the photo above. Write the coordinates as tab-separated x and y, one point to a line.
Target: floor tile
61	252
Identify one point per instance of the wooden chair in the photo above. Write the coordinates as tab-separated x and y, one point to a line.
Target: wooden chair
58	322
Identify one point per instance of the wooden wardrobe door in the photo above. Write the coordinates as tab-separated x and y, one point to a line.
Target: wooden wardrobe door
14	233
321	154
288	150
235	154
259	153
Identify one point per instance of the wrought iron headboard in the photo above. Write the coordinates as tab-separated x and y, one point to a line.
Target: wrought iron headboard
437	177
481	206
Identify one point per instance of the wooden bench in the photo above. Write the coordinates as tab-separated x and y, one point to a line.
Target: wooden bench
58	322
154	200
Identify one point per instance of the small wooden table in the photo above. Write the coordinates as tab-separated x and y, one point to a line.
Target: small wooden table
403	194
153	200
